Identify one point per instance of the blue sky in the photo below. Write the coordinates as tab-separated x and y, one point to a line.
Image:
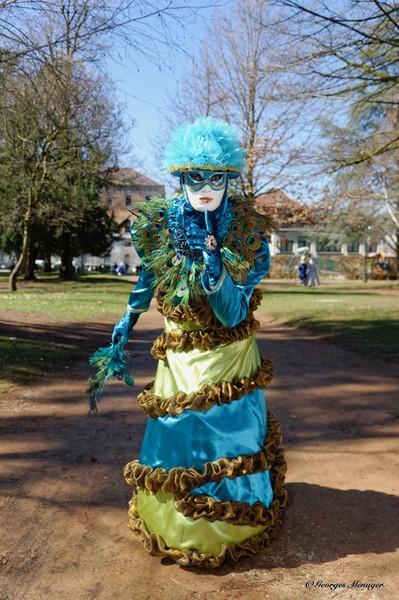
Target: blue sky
143	87
143	92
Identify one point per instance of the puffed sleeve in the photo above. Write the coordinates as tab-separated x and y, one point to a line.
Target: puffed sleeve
230	301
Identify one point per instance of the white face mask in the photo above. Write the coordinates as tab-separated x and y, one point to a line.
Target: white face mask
204	189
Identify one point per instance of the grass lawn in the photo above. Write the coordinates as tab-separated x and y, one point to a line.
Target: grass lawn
91	297
24	357
362	318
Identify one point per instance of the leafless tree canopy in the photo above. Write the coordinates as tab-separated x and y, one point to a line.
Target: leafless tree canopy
148	28
241	76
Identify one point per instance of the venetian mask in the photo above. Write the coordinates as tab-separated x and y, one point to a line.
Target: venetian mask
204	189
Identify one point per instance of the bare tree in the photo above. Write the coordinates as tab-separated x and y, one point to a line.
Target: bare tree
240	77
48	111
348	52
28	28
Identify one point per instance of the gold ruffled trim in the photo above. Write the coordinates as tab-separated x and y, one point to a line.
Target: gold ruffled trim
182	479
179	339
199	311
198	167
237	513
207	396
155	545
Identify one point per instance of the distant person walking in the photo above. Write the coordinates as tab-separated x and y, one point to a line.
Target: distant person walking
302	270
312	273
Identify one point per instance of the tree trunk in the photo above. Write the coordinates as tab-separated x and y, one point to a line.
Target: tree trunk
67	270
26	241
12	280
47	262
30	263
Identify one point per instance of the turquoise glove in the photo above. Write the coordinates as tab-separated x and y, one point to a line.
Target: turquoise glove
205	240
124	327
214	266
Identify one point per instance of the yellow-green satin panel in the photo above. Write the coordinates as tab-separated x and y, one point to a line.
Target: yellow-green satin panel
188	371
161	517
186	326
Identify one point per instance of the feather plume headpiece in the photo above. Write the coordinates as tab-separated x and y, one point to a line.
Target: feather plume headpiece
208	144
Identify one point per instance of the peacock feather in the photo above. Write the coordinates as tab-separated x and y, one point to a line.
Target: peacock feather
110	362
178	275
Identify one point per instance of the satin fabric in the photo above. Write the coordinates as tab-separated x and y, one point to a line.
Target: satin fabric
177	531
248	488
194	437
188	371
140	298
230	301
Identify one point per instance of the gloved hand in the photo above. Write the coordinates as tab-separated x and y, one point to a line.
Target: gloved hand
205	240
214	265
124	327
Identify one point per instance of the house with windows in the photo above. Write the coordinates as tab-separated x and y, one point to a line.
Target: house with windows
298	231
127	187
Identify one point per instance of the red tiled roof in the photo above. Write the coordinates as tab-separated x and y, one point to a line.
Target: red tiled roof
273	201
128	176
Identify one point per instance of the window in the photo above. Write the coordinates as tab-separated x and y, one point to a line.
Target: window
303	242
330	246
353	247
372	247
286	245
128	200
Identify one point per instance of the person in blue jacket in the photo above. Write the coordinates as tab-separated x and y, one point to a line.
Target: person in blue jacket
302	270
209	481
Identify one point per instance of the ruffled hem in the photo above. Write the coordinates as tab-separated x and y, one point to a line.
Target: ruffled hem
179	339
180	478
155	545
199	311
207	396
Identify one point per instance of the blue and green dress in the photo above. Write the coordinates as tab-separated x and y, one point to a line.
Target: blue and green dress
209	481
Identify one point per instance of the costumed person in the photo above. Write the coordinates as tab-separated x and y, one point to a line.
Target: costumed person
312	273
209	482
302	270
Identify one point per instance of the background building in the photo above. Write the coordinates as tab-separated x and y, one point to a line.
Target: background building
127	187
299	230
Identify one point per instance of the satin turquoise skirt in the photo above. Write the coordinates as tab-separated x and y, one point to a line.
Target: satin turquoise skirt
194	438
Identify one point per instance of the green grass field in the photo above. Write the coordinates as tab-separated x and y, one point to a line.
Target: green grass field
91	297
364	319
95	298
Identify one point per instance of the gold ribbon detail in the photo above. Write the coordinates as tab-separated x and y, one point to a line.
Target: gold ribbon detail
207	395
180	478
179	339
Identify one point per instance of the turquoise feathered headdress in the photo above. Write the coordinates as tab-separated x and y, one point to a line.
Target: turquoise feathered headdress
208	144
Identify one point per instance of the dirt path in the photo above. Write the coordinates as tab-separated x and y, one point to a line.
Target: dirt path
63	502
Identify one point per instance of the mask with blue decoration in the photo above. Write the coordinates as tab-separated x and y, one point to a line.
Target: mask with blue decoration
205	155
